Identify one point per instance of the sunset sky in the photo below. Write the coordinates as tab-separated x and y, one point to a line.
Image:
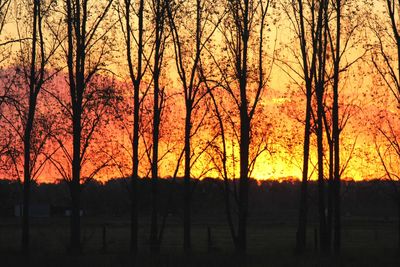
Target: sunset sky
363	96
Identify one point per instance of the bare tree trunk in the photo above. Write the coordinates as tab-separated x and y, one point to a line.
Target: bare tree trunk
76	83
154	242
244	155
33	92
187	185
320	92
329	216
134	210
302	227
336	133
321	183
159	16
81	40
191	90
224	167
136	81
337	201
244	181
244	135
75	186
25	213
308	76
27	175
331	189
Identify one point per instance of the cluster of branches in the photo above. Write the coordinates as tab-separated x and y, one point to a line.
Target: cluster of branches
327	35
61	95
385	58
55	98
189	29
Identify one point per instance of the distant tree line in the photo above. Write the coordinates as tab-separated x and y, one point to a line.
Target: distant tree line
270	201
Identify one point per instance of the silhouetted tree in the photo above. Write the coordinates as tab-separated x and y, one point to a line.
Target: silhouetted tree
336	54
5	140
311	22
322	60
29	124
35	82
308	61
386	59
159	18
87	45
242	31
137	69
190	35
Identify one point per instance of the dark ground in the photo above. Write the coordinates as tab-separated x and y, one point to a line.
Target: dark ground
366	242
369	228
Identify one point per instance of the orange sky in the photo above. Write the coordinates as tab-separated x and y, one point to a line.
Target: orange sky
281	106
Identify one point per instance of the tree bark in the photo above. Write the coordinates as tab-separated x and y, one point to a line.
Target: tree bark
302	227
308	76
187	183
154	244
26	198
28	131
81	69
331	190
136	81
75	186
244	135
243	183
157	107
321	182
27	175
336	134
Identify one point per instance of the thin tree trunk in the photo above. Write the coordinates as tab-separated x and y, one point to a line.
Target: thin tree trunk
135	174
301	237
337	209
75	86
302	227
336	134
26	195
25	215
75	185
225	171
331	183
187	183
27	176
243	183
321	183
244	136
157	106
134	206
136	81
321	37
28	132
337	212
154	246
80	44
331	189
154	242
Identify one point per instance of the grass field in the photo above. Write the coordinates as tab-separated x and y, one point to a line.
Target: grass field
366	242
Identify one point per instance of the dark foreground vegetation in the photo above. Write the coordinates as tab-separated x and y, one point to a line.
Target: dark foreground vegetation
369	226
